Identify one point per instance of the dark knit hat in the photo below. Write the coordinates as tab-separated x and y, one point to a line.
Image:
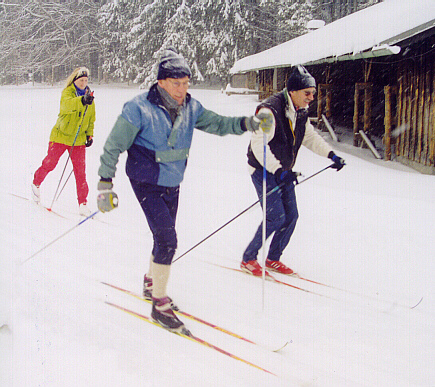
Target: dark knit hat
300	79
173	65
81	72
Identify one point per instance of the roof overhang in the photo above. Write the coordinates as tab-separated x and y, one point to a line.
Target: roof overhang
376	31
383	50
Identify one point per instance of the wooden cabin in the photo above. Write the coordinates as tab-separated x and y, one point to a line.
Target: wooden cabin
375	71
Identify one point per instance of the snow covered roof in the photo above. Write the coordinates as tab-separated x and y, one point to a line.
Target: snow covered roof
376	28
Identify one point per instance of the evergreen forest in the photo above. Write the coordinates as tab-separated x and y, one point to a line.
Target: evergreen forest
122	40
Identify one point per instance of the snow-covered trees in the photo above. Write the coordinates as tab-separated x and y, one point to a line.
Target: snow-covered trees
211	34
136	32
39	37
115	18
330	11
125	38
224	35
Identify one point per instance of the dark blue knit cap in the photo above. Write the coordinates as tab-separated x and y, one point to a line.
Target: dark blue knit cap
300	79
173	65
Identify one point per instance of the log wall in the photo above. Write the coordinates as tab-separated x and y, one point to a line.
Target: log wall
416	113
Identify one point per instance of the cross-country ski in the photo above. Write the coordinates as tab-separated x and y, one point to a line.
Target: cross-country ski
39	205
200	320
189	336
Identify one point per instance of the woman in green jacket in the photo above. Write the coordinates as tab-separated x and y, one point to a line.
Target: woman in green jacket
73	131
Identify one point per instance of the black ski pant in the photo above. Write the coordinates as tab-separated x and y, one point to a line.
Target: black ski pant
160	205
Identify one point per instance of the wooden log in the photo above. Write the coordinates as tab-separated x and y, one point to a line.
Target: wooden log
370	144
330	129
413	134
408	114
367	107
399	112
319	103
356	117
328	108
426	121
387	122
420	116
367	114
409	91
431	155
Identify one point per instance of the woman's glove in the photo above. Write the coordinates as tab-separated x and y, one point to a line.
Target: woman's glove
89	141
88	98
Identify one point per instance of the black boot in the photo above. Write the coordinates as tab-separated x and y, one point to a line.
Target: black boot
163	314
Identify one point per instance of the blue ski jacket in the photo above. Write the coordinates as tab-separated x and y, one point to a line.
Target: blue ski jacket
157	149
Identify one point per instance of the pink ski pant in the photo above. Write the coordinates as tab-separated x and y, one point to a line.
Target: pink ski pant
78	158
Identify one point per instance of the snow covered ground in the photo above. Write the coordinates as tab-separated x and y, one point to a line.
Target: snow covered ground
367	230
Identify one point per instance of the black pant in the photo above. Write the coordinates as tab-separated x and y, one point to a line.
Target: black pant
160	205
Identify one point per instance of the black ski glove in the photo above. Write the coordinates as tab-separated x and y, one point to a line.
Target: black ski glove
286	177
338	161
88	98
89	141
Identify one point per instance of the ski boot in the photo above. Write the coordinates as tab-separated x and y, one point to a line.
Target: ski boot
278	267
163	314
148	292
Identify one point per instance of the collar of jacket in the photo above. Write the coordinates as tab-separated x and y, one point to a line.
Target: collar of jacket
155	98
80	92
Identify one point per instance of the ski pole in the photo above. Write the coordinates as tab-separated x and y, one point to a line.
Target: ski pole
246	210
314	174
69	156
263	236
64	184
59	237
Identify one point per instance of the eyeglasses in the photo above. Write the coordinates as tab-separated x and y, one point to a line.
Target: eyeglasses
176	84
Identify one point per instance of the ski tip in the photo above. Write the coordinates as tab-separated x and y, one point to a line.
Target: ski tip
282	347
418	303
5	327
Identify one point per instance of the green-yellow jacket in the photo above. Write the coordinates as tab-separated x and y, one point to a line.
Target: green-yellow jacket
71	117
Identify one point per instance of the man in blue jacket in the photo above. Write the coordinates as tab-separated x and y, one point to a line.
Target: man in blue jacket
156	129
